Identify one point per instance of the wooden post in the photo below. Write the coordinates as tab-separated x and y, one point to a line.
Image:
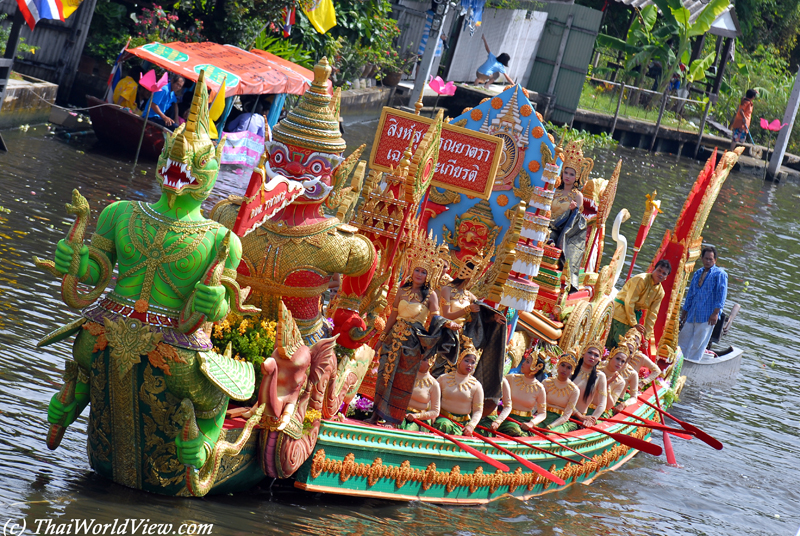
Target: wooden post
619	103
783	136
560	56
702	126
660	115
726	51
7	62
427	57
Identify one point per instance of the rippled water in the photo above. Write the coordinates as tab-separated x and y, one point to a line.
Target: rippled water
750	487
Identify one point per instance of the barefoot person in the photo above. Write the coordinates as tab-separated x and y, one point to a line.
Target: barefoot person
425	399
641	293
704	301
592	384
462	395
492	68
528	399
562	395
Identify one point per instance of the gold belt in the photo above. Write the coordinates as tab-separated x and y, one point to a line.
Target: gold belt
457	418
522	413
554	409
414	410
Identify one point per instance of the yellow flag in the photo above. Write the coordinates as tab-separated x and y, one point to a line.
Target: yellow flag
217	107
321	14
68	7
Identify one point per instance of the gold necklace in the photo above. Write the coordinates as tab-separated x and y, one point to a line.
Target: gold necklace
424	382
464	386
553	389
519	381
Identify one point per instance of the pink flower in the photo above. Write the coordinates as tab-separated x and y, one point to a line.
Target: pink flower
775	126
438	85
148	81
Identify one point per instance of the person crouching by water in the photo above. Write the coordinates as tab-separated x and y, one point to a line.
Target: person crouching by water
640	293
425	398
704	301
492	68
528	399
406	342
562	395
462	395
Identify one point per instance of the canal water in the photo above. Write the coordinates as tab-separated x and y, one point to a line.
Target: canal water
749	488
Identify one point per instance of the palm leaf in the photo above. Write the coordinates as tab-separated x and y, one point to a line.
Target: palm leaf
714	9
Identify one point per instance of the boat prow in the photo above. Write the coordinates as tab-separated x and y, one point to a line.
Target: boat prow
719	367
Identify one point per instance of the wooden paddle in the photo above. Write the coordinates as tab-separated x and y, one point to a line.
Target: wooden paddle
628	441
534	429
521	442
532	466
698	433
667	441
652	425
656	425
481	456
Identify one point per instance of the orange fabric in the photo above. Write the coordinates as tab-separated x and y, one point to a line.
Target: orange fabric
743	114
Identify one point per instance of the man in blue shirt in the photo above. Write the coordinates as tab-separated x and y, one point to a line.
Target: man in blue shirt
165	104
492	68
254	122
705	299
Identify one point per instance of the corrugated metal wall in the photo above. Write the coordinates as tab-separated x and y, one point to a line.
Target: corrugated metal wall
575	61
410	17
61	45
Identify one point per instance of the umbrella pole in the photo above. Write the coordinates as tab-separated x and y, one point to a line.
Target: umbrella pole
141	138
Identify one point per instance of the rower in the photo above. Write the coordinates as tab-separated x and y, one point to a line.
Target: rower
638	359
592	384
528	399
425	398
617	380
562	395
462	395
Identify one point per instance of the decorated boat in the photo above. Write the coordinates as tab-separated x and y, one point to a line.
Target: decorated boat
210	366
254	72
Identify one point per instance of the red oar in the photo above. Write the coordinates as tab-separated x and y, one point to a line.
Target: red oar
652	425
535	430
656	425
667	441
481	456
628	441
532	466
698	433
521	442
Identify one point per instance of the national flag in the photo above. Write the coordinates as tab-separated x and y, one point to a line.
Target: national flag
116	73
288	20
35	10
322	16
69	7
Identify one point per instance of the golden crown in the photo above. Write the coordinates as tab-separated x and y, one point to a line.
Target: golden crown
424	252
598	345
467	348
314	122
619	350
479	261
573	158
288	337
570	356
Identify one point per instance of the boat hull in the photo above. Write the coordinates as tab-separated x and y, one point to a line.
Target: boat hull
708	370
118	128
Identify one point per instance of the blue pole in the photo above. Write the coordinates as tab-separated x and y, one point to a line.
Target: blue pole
275	109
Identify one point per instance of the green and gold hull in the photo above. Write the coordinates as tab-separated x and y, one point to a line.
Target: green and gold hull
351	458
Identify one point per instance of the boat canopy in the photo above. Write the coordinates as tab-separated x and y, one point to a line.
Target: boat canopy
245	73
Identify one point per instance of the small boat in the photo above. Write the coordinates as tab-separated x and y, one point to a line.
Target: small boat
245	73
719	366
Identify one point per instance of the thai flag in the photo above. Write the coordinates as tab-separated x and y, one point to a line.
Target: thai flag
35	10
116	73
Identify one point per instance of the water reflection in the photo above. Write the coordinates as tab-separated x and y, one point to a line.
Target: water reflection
739	490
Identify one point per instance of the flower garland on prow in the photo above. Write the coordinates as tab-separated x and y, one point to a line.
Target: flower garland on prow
251	339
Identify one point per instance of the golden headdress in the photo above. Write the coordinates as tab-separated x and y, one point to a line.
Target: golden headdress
424	252
314	122
467	348
288	337
619	350
573	158
570	356
480	261
598	345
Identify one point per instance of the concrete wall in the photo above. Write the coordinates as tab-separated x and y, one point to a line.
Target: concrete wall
507	30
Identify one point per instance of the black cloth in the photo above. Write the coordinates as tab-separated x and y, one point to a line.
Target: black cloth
568	233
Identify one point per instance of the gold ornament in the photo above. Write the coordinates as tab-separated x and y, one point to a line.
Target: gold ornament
314	122
597	345
467	348
479	261
288	337
424	252
130	339
570	356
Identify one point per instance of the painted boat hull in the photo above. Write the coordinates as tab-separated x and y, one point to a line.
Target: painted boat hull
352	458
708	370
120	129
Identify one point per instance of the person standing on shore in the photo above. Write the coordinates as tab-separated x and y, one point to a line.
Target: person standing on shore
741	121
704	301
